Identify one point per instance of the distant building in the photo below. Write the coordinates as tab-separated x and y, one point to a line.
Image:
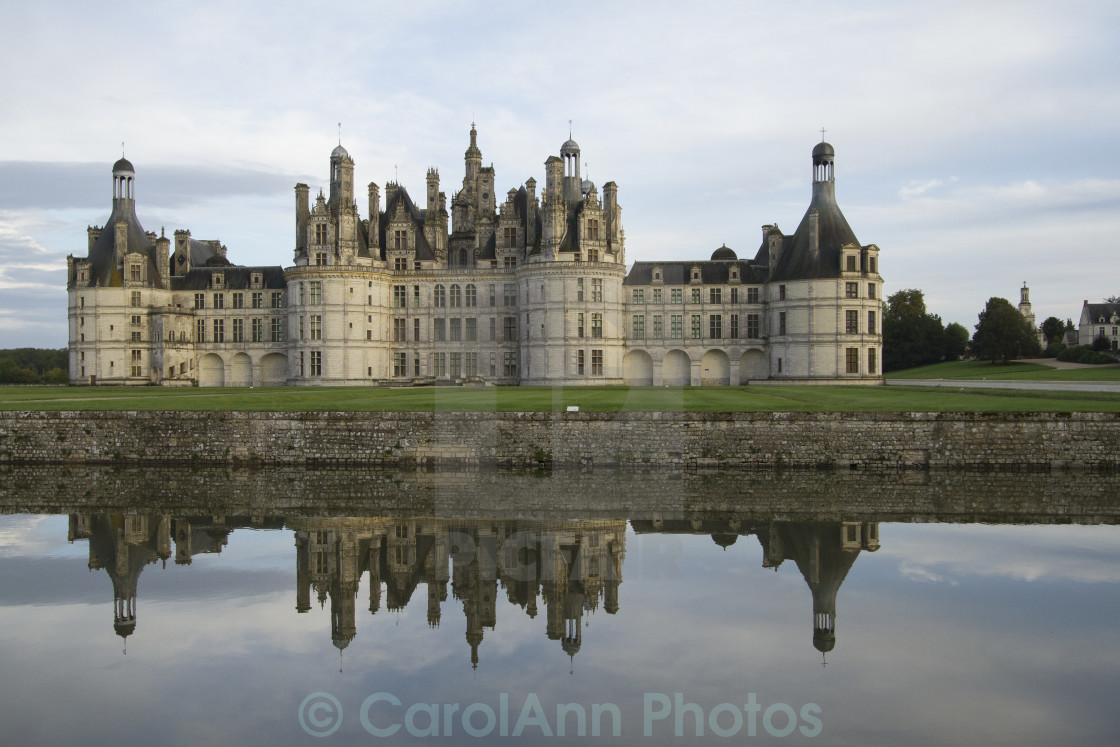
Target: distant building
520	290
1097	320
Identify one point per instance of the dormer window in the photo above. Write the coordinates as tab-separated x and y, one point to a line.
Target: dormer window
257	280
219	280
734	273
320	233
134	272
850	263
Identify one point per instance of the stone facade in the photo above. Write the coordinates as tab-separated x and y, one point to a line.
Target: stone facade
520	290
877	441
1099	320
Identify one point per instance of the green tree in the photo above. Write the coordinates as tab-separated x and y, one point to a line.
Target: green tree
1002	333
911	336
956	342
1053	329
1100	344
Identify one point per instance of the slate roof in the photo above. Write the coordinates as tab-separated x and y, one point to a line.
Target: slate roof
711	273
104	271
797	261
236	278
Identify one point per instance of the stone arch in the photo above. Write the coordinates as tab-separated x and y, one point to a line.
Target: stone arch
676	369
753	365
637	368
241	370
274	370
211	370
715	369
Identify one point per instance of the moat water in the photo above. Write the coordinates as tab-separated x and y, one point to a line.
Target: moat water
300	607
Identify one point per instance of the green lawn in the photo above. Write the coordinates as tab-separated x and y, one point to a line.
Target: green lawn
1012	371
547	399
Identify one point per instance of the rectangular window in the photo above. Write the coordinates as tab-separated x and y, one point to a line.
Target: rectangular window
316	363
871	290
398	296
596	289
439	365
593	229
509	263
219	300
871	322
851	359
871	265
695	296
871	360
200	330
219	330
579	325
851	322
509	328
456	325
400	264
695	328
596	325
752	295
134	299
471	297
753	326
509	294
781	293
639	327
715	326
238	300
579	362
400	364
455	368
470	364
136	320
134	273
136	336
471	329
258	300
399	329
851	290
400	239
734	295
277	299
657	333
676	295
781	322
596	362
510	236
639	295
509	364
238	330
493	295
277	330
657	295
316	291
439	330
316	327
850	263
258	330
676	326
715	295
734	332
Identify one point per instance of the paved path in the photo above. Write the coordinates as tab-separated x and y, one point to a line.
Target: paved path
1045	386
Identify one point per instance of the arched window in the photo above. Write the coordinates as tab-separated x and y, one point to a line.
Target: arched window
456	296
439	297
472	295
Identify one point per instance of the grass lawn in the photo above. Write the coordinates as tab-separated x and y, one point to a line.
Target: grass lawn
548	399
1012	371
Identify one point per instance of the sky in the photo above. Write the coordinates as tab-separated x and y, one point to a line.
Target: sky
975	142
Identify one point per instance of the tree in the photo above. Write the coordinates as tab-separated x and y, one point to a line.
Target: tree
956	341
911	336
1053	329
1100	344
1002	333
1112	299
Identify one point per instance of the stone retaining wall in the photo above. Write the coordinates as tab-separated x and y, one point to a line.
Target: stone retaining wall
992	441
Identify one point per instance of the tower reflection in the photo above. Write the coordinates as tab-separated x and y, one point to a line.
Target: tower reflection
571	567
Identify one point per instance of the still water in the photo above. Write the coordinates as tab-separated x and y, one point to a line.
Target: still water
298	607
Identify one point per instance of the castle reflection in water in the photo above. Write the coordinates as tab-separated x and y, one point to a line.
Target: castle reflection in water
571	567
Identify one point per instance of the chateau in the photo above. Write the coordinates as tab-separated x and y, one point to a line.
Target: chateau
526	289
